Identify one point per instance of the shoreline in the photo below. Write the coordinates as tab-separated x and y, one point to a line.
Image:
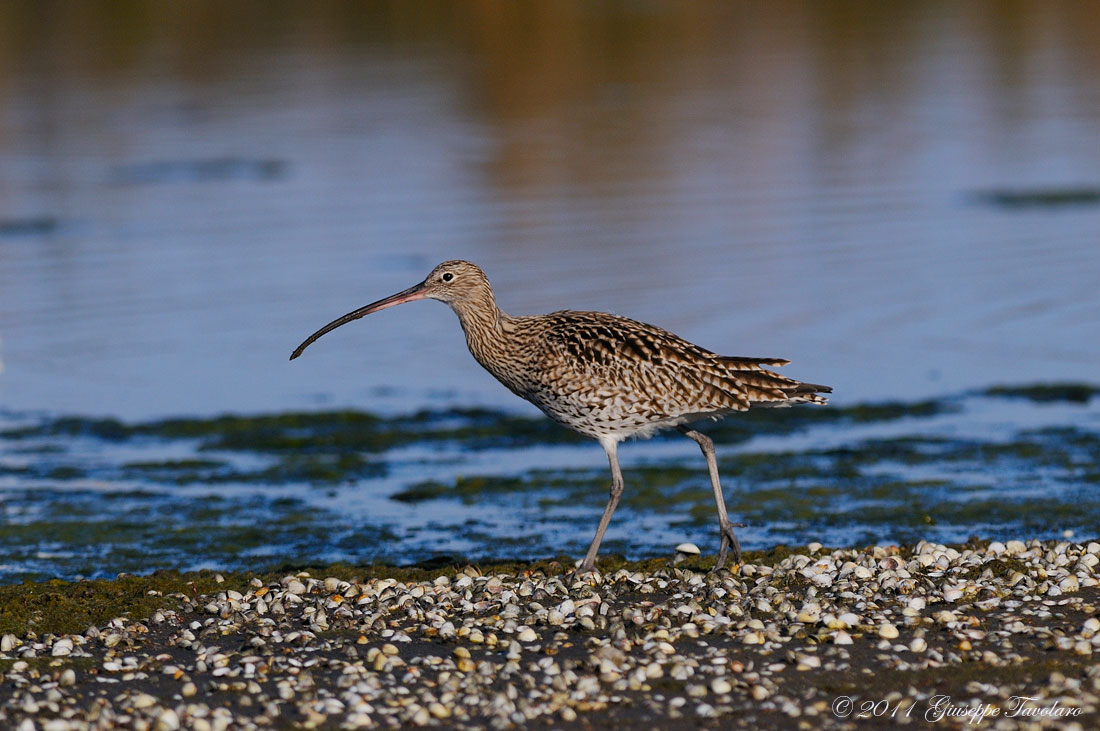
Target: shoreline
802	637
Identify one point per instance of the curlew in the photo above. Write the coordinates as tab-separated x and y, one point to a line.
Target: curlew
604	376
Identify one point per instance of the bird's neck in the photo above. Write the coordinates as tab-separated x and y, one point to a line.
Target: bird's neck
485	327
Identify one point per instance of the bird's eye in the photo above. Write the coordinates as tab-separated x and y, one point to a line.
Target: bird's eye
447	276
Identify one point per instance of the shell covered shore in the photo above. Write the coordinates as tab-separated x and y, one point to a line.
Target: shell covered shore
1001	634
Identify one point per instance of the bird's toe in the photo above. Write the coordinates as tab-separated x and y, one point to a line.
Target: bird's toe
584	574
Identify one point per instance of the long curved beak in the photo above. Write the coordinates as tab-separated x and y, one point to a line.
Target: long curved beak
412	293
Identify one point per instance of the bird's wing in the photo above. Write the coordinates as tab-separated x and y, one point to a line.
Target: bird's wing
645	358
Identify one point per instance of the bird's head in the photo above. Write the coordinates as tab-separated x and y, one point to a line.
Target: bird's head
459	283
455	282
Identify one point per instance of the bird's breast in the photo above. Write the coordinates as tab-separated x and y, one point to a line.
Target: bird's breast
600	411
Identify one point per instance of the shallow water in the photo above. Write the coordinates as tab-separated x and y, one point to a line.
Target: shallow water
903	199
85	497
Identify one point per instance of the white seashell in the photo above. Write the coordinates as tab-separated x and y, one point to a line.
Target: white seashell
887	631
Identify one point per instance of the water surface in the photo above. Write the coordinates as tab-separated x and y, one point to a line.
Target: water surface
904	199
901	199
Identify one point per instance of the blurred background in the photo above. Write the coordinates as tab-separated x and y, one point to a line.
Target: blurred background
902	198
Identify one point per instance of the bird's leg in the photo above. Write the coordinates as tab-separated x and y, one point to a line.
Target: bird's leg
728	538
612	449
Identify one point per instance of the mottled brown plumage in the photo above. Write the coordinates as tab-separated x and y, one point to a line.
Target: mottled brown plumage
602	375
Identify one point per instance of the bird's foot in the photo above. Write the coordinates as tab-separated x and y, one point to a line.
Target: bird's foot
729	539
585	574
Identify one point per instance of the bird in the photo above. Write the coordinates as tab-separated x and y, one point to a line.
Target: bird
605	376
